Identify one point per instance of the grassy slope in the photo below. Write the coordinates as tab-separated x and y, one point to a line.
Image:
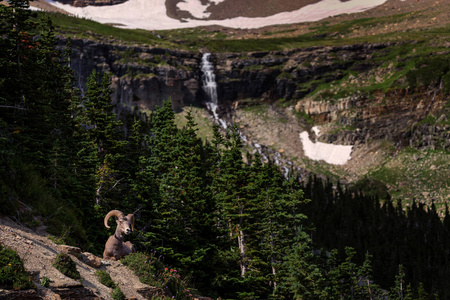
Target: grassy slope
83	28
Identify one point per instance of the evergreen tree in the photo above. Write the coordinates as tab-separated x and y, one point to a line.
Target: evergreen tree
103	139
277	221
303	278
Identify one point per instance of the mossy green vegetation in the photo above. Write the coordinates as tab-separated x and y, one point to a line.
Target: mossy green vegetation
66	265
45	281
323	34
398	66
117	294
12	272
105	279
431	71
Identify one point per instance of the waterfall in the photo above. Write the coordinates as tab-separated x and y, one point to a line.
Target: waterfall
209	78
210	87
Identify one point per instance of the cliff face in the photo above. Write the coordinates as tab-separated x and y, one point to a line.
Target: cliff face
293	75
287	74
142	77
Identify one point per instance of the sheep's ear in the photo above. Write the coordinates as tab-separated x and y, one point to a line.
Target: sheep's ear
131	217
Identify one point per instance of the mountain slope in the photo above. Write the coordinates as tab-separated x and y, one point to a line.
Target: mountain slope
154	15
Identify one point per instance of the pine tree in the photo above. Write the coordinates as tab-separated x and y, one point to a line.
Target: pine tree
231	196
277	219
103	139
303	277
197	246
398	291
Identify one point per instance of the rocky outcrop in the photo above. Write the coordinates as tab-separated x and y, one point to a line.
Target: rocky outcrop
75	291
287	74
38	253
402	117
91	260
433	135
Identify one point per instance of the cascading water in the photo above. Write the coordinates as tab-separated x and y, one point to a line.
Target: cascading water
209	78
210	86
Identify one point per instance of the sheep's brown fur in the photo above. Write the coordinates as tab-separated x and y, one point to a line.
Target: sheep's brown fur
115	247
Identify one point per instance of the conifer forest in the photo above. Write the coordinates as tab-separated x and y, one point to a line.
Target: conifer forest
233	225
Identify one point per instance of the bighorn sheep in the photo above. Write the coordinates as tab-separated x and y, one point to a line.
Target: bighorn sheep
115	248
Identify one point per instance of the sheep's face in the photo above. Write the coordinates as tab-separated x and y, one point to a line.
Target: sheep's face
125	223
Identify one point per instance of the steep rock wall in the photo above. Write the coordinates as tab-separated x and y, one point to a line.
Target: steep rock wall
142	77
398	116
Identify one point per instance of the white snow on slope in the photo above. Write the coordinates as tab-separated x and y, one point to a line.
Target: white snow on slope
152	15
330	153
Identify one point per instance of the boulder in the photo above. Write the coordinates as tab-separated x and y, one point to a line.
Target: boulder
91	260
71	250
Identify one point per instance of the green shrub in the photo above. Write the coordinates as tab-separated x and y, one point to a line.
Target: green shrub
67	266
152	271
105	278
12	271
144	266
45	282
117	294
429	71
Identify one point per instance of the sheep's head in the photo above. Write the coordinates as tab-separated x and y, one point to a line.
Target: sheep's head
125	224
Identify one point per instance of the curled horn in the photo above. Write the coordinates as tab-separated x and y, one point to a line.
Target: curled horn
112	213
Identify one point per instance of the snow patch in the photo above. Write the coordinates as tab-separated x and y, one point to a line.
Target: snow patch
330	153
152	14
